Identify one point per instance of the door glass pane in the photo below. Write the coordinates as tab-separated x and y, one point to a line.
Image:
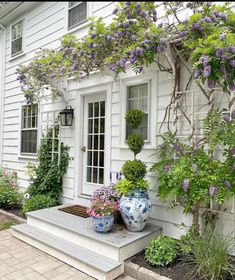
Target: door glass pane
101	159
97	109
95	175
101	142
96	138
89	172
102	125
90	126
95	163
89	158
101	176
96	126
102	108
90	110
89	146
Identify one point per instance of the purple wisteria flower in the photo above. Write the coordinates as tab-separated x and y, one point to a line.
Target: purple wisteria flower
208	19
210	83
183	33
207	71
212	191
223	16
143	14
231	49
186	185
233	114
115	11
227	118
177	148
197	73
222	36
167	168
227	184
216	13
232	87
204	59
219	52
232	63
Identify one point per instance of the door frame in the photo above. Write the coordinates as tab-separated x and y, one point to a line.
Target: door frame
105	88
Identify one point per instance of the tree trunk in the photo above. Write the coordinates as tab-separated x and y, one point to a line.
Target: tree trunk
196	214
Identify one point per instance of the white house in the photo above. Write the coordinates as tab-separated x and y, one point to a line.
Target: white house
27	26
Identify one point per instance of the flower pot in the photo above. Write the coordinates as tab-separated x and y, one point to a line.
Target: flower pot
135	209
103	224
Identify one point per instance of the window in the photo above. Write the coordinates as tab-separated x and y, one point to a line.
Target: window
77	13
137	98
29	129
17	38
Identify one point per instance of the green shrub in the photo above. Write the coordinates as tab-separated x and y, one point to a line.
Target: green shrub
134	170
47	177
210	254
10	197
161	251
38	202
135	143
134	117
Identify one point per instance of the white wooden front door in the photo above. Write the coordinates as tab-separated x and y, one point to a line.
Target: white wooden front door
94	143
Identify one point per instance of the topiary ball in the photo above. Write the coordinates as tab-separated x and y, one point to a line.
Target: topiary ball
135	143
134	170
134	117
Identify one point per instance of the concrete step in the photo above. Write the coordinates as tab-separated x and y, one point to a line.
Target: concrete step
119	244
94	264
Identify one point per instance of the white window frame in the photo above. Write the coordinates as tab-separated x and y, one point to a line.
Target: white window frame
151	80
22	154
20	53
81	24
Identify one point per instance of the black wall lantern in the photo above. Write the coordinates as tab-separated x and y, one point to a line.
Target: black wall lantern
66	116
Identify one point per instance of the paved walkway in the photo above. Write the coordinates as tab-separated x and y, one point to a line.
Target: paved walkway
20	261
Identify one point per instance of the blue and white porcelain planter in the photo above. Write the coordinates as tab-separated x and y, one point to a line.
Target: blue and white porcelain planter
102	225
135	209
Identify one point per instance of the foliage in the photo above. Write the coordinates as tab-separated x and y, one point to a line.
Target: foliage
47	177
210	254
134	170
7	224
106	194
135	143
192	173
126	187
161	251
37	202
10	197
134	117
208	38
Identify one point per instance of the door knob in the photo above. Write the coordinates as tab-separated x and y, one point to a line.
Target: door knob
83	149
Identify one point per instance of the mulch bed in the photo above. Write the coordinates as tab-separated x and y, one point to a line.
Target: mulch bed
177	271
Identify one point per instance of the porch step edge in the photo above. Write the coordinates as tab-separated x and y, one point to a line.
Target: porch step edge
98	262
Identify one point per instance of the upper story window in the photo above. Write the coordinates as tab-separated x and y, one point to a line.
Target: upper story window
137	98
77	13
29	129
17	38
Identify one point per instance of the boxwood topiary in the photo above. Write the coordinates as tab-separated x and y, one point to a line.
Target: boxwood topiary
134	117
134	170
135	143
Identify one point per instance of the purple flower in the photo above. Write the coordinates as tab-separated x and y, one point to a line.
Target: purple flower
210	83
227	118
227	184
186	185
177	148
183	33
212	191
219	52
232	63
216	13
154	12
223	16
154	18
204	59
167	168
233	114
197	26
231	49
207	71
208	19
232	87
138	5
222	36
197	73
115	11
143	14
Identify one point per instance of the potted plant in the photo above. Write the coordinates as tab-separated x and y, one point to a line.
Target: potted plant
104	205
135	205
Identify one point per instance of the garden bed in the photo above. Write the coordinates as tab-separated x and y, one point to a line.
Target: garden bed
177	271
6	222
